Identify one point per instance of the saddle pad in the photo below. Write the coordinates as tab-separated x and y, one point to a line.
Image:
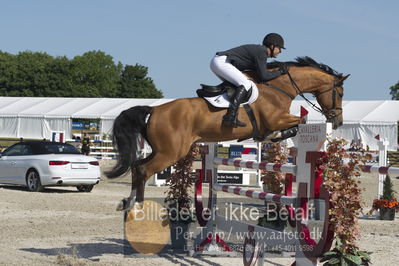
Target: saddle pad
222	101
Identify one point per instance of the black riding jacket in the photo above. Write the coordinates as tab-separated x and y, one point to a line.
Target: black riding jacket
251	57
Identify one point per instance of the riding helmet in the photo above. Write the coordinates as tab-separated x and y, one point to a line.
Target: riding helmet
274	39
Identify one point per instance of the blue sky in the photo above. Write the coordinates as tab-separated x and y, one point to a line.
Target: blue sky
176	39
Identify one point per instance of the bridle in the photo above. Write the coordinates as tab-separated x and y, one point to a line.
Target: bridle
334	108
329	113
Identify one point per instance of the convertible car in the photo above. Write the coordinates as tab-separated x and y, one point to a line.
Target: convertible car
39	164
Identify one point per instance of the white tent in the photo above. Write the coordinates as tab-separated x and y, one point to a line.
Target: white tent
35	117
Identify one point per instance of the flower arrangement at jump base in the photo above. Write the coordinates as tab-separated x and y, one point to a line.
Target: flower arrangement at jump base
387	205
345	200
178	201
273	182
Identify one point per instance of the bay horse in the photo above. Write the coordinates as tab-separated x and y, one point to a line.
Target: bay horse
171	128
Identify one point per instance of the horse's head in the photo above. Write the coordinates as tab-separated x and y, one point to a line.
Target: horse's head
330	98
326	84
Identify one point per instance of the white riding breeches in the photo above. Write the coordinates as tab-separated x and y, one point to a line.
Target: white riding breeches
222	68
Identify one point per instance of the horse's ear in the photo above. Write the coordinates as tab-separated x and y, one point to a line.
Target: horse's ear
341	80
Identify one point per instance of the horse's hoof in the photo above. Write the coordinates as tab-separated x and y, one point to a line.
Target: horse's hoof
122	205
127	204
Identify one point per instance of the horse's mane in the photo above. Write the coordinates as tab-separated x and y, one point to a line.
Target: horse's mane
306	61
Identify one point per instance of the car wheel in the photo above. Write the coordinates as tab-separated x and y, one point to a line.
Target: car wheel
85	188
33	181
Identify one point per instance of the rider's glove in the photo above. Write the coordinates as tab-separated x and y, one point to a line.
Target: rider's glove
283	69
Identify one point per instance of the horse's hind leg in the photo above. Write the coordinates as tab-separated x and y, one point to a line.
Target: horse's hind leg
142	172
162	156
159	162
126	203
137	186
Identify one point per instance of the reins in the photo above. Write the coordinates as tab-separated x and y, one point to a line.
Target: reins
300	93
326	113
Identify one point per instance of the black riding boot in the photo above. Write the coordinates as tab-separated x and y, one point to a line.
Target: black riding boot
230	119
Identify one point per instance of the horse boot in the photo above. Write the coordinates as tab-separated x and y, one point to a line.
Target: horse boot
230	119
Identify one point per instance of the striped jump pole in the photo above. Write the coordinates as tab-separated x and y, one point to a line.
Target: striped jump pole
383	170
271	167
287	200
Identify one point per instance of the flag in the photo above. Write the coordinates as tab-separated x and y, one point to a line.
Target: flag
304	115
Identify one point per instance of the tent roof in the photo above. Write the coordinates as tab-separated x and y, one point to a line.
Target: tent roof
375	112
385	112
90	108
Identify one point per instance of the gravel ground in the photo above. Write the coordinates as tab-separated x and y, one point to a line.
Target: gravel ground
64	227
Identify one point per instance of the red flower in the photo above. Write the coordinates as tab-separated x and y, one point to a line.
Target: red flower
386	204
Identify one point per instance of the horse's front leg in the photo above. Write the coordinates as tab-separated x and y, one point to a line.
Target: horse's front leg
288	121
286	126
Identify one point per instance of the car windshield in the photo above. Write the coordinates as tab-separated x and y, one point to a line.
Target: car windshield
57	148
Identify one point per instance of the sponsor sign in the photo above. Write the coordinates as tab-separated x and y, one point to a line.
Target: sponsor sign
77	125
235	151
93	126
231	178
243	153
223	152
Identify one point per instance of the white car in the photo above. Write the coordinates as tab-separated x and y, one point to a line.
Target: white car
38	164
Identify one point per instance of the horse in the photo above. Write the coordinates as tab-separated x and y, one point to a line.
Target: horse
171	128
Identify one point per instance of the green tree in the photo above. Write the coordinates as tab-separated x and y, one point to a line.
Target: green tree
136	84
388	192
395	91
60	83
33	74
20	74
8	70
95	75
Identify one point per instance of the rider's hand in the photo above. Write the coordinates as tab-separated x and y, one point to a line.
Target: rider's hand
283	69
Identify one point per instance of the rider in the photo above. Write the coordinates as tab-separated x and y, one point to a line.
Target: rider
227	65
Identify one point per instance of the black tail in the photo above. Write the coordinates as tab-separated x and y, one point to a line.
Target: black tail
127	128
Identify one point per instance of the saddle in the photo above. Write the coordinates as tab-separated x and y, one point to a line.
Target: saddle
224	87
